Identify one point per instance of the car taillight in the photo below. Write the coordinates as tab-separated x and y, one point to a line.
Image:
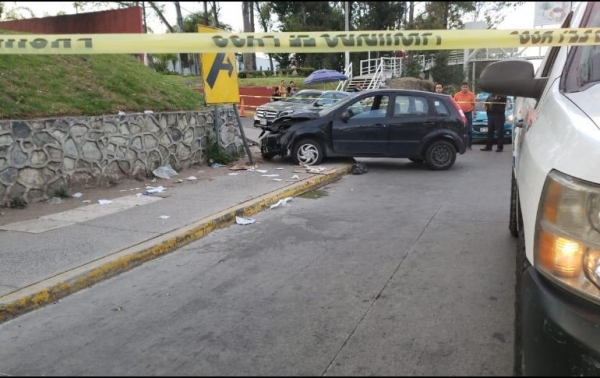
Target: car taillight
459	110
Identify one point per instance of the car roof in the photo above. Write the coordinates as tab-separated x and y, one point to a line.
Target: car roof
404	91
310	91
342	92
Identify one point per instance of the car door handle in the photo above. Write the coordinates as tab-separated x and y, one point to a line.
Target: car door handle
428	123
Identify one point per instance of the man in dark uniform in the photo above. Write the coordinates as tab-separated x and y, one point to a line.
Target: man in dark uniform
495	107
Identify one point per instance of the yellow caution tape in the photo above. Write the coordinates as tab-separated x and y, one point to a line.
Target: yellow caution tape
307	42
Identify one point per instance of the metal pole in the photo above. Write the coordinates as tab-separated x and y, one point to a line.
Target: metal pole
473	76
217	132
347	53
246	145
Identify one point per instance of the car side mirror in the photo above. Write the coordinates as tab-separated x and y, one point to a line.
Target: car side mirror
514	77
345	116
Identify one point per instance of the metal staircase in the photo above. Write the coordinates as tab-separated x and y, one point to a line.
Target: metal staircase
372	74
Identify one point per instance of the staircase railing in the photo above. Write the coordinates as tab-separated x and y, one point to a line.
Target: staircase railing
342	85
378	78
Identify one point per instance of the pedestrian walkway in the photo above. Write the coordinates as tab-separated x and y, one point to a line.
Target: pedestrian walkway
47	257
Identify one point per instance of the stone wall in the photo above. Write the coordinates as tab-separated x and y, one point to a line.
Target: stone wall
39	156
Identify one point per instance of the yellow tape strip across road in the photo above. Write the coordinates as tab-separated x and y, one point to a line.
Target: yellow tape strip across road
307	42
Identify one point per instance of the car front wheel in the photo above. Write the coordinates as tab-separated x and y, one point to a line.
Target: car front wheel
440	155
307	152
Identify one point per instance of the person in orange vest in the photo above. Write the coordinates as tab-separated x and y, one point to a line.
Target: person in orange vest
466	101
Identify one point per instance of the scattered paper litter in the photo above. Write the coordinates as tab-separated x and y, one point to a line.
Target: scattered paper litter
233	174
77	195
164	217
192	178
54	201
179	181
165	172
151	190
123	190
295	177
262	170
86	201
277	180
216	165
121	113
279	169
270	175
281	202
105	202
137	195
153	180
244	221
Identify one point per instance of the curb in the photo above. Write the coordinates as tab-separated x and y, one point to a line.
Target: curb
54	288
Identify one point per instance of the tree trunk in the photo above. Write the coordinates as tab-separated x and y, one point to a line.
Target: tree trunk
144	17
161	15
252	30
411	14
205	13
446	14
215	14
183	58
247	57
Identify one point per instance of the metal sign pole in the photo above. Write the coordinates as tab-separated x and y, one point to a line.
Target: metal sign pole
239	122
217	131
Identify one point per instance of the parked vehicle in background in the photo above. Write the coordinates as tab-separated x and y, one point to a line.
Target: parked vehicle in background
480	120
555	203
421	126
306	99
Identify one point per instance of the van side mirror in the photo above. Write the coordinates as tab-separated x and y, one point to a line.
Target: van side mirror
514	77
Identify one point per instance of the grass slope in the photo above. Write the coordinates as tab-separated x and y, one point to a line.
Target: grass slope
34	86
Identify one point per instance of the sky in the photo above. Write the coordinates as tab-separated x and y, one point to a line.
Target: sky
231	13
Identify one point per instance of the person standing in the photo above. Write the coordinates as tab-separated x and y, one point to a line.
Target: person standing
282	89
358	87
495	107
292	90
439	88
466	101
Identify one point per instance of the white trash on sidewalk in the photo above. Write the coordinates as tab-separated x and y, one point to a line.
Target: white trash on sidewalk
244	221
281	202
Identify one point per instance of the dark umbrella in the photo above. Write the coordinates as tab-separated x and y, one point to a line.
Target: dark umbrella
324	76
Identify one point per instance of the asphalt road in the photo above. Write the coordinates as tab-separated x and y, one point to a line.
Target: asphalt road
400	271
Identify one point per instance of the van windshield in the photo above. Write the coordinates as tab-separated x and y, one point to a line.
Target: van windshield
584	71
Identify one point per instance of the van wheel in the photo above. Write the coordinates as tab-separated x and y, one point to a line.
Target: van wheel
514	202
440	155
307	152
414	160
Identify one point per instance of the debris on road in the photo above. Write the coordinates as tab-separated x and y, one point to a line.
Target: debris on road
216	165
233	174
55	201
359	168
105	202
279	169
281	202
270	175
77	195
295	177
152	190
262	170
192	178
244	221
165	172
87	201
277	180
165	217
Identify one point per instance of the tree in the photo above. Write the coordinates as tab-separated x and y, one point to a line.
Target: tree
15	13
442	72
263	9
248	20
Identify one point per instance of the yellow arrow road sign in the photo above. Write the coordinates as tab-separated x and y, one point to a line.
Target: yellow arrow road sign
219	74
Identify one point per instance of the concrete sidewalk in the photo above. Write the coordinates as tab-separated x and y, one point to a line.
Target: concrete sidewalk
91	243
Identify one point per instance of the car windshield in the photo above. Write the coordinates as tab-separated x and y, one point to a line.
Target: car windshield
338	104
479	106
303	98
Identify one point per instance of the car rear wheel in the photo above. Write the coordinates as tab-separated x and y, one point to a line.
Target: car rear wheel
307	152
440	155
415	160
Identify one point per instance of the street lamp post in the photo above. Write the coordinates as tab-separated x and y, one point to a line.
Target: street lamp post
347	16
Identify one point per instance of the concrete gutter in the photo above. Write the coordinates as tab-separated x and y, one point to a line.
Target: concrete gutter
54	288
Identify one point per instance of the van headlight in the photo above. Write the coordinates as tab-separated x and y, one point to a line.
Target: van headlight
567	240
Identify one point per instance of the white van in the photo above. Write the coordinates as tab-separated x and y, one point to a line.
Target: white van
555	203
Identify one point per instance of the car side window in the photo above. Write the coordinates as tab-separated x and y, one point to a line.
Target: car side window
410	106
369	107
584	69
326	99
440	107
